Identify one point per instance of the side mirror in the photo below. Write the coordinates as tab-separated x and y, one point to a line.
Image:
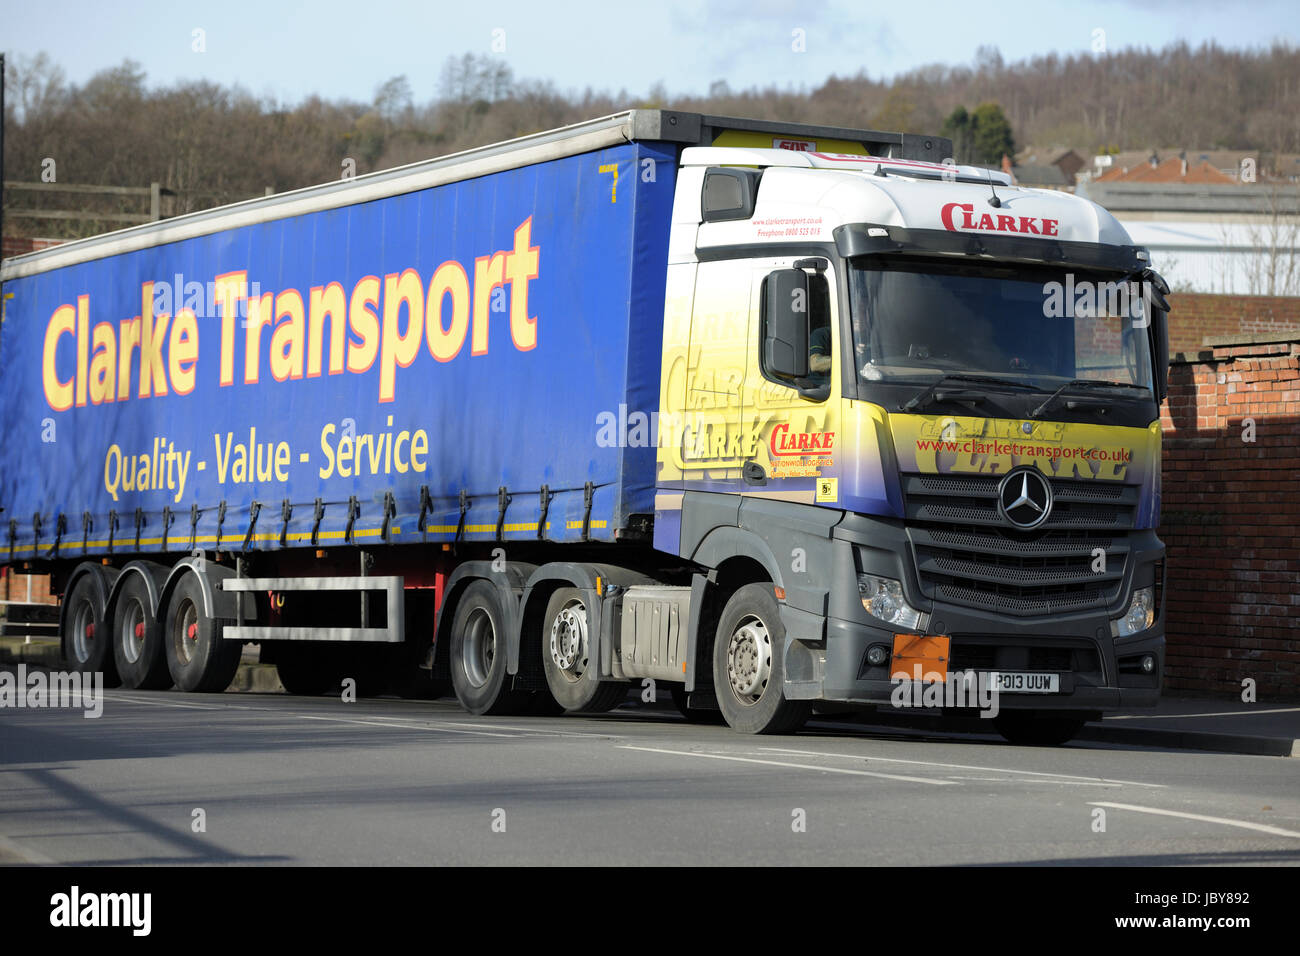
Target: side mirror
785	324
1155	289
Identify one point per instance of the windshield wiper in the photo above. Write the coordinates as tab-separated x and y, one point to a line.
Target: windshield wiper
930	392
1081	383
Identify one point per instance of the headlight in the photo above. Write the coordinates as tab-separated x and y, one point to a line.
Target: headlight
1140	615
883	599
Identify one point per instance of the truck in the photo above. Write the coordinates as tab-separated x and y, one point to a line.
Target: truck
775	417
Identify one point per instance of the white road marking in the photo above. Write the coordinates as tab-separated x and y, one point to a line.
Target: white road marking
526	730
25	854
1050	783
377	720
1225	713
1244	824
167	703
427	727
796	766
962	766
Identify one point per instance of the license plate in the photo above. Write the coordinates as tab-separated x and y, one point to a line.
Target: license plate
1023	683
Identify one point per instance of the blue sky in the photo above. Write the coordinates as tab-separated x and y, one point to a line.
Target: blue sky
346	48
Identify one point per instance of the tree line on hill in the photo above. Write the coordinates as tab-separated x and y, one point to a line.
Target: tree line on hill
209	144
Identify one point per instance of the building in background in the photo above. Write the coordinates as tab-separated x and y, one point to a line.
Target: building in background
1207	233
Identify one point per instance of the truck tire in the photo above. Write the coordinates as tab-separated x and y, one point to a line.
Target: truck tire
478	653
138	650
87	639
571	674
748	671
1032	729
197	657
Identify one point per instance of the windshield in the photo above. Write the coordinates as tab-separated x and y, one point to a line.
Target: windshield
1041	326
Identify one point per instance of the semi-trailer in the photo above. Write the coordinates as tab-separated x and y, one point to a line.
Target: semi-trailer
772	415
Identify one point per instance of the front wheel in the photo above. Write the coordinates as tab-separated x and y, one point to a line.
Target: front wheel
748	671
198	657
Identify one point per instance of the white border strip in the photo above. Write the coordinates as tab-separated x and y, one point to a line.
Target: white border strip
1245	825
525	151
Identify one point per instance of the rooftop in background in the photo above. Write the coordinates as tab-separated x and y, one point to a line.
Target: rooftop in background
1218	198
1234	165
1048	168
1171	170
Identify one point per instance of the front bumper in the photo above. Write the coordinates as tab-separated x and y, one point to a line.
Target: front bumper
1096	673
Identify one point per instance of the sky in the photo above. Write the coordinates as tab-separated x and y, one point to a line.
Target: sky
344	49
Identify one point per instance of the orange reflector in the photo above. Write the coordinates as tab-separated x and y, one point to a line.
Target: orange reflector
320	554
920	657
600	586
683	667
780	593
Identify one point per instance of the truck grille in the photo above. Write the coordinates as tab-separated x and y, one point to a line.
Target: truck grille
968	554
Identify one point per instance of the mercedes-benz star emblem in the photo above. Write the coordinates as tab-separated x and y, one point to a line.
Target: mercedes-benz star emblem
1025	498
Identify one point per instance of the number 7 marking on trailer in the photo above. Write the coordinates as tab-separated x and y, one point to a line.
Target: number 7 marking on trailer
613	189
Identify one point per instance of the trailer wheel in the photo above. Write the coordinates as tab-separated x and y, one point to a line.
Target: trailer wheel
747	665
138	650
571	673
197	656
478	653
87	640
1031	729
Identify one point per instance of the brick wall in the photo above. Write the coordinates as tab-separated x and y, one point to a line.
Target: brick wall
1195	316
1231	519
20	245
13	587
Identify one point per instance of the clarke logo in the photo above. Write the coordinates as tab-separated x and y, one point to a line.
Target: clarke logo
1021	225
782	443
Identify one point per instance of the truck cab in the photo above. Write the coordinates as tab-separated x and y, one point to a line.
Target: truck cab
975	473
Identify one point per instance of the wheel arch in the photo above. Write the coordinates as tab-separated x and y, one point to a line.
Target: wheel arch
154	577
737	549
216	603
591	580
510	584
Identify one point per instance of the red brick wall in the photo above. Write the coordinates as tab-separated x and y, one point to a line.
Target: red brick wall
13	587
20	245
1193	316
1231	522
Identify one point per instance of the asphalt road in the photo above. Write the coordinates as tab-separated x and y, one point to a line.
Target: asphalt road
291	780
